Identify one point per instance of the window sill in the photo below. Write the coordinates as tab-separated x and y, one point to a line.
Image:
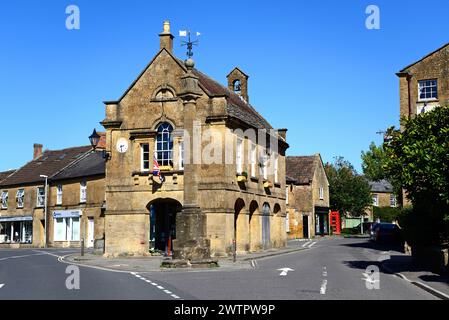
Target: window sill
427	100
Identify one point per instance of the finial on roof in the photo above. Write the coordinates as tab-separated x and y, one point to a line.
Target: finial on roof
189	63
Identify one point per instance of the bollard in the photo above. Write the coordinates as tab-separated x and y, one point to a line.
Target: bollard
82	247
235	250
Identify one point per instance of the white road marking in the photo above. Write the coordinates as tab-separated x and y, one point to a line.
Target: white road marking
24	256
285	271
312	244
305	244
138	276
2	285
323	287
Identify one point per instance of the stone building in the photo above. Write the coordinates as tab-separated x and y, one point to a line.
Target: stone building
205	197
307	197
424	84
22	219
76	203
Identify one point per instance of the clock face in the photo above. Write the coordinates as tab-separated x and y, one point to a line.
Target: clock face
122	145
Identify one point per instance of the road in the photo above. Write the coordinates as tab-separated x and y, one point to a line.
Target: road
332	269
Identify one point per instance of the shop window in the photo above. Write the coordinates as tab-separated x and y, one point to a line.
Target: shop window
20	198
67	229
16	232
4	199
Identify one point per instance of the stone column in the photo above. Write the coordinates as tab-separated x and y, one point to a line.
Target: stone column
191	242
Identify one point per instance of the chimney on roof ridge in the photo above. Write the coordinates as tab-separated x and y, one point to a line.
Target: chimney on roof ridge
166	38
37	150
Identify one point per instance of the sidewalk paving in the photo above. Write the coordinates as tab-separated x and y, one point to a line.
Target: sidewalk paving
402	266
153	263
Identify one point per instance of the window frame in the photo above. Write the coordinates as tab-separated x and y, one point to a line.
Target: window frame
83	191
321	193
376	201
59	193
393	201
239	155
142	157
40	196
161	134
181	154
4	199
20	204
276	168
253	159
420	87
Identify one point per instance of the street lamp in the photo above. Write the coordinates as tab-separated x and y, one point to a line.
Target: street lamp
94	139
45	209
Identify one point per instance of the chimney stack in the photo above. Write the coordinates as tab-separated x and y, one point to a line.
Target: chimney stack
37	148
166	38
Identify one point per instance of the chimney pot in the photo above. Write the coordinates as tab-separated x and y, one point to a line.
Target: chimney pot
37	150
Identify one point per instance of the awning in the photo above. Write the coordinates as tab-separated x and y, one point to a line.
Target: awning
67	214
16	219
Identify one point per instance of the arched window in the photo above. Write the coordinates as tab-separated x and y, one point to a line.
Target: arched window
237	86
164	144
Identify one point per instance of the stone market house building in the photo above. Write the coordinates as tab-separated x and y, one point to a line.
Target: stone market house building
22	219
307	197
198	207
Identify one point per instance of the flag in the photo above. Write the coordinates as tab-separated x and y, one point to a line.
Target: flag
183	33
156	169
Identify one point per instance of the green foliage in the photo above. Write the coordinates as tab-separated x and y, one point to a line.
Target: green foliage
418	159
349	191
373	162
386	214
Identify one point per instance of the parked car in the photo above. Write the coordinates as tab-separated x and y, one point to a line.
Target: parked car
386	232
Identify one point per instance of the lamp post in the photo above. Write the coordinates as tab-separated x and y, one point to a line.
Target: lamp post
94	138
45	209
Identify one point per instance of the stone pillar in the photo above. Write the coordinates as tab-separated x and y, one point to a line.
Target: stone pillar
191	242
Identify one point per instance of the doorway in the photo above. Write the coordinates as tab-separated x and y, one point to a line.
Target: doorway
305	226
163	224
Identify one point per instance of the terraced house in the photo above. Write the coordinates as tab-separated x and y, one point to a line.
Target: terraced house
196	207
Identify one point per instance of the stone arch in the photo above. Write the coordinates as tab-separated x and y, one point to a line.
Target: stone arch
255	231
240	226
163	93
163	213
276	209
278	234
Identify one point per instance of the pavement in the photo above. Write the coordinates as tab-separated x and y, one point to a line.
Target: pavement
152	264
322	269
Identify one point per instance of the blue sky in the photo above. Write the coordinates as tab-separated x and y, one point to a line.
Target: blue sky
314	68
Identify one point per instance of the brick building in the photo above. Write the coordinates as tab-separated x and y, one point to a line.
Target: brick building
199	208
307	197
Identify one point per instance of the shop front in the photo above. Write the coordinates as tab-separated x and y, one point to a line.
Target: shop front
16	230
66	227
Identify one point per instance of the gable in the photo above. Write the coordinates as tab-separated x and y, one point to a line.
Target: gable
444	50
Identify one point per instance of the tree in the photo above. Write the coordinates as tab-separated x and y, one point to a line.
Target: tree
373	162
349	191
418	160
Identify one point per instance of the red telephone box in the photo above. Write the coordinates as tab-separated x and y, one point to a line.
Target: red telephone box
335	222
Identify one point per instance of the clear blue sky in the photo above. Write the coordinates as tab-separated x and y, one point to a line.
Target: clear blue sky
314	68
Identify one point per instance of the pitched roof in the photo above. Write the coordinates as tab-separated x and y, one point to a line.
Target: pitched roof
237	107
91	164
430	54
301	168
381	186
49	163
5	174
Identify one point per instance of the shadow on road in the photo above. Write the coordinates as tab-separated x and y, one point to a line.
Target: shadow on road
368	244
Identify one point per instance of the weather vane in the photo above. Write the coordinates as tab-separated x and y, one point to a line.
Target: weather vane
189	43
